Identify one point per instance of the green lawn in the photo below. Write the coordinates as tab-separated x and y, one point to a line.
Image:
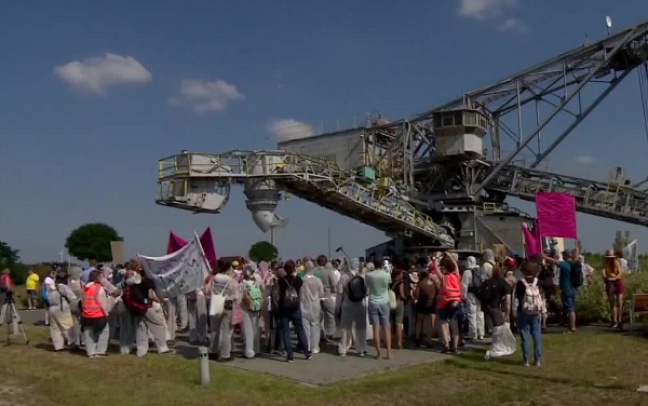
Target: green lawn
588	368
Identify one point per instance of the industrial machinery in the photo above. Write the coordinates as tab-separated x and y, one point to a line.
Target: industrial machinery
441	178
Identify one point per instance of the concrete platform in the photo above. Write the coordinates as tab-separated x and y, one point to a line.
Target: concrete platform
328	368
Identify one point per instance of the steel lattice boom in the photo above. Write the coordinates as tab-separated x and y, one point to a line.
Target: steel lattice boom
430	179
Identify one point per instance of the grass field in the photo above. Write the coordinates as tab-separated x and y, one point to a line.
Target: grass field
588	368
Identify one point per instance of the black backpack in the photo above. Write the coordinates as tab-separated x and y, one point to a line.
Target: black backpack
478	279
576	275
291	297
357	289
487	292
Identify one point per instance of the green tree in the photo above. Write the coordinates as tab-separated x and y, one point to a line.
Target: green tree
8	255
263	251
92	242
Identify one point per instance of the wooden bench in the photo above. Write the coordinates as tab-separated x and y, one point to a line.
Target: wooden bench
638	305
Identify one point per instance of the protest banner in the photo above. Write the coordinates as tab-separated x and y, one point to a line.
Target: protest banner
180	272
556	215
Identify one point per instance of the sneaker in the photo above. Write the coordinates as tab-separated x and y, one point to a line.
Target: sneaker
363	354
537	364
289	360
526	363
309	357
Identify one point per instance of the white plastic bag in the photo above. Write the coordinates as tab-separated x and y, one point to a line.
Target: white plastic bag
504	342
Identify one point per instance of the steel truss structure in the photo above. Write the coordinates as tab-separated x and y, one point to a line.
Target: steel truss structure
431	196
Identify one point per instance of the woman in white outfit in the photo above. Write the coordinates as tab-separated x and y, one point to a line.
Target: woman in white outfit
61	299
470	283
253	298
311	296
353	315
224	288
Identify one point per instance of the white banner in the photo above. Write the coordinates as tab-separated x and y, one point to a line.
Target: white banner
631	254
180	272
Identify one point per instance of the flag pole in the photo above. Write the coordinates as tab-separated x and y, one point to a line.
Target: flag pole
202	251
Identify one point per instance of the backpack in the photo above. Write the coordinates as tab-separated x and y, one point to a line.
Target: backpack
253	297
576	276
357	289
133	300
275	295
45	294
487	292
477	280
291	297
532	303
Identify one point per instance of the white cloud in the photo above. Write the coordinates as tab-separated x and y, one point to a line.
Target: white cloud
584	159
484	9
205	97
289	129
513	25
96	74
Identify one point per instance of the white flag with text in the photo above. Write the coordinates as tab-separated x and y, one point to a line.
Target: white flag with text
180	272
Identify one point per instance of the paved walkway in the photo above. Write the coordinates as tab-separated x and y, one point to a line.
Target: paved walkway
327	368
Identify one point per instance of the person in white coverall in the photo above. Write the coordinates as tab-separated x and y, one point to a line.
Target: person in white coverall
469	284
61	318
353	315
197	316
311	296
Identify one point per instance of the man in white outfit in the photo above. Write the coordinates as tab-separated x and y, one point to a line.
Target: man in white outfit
471	281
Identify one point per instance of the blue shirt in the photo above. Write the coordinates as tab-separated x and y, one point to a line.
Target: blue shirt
564	278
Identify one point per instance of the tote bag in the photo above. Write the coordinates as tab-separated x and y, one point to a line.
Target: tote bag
217	301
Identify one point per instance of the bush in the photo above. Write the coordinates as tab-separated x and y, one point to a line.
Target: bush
592	303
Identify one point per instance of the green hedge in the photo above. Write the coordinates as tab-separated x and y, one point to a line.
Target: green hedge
592	303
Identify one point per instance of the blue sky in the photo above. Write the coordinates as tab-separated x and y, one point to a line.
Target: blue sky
81	145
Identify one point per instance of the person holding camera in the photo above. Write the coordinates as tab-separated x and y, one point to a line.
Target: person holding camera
449	303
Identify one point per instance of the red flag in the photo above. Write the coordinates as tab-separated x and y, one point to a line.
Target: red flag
208	246
532	241
556	215
175	243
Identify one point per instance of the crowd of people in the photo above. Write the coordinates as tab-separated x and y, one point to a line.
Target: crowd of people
435	302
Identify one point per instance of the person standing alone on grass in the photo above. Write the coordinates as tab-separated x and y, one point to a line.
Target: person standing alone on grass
378	282
614	286
530	306
31	285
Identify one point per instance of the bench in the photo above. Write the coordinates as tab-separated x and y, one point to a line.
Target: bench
638	305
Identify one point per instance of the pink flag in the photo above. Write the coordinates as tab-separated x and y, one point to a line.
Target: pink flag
532	241
207	242
175	243
556	215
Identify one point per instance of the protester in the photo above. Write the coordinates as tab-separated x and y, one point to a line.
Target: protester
530	308
61	303
351	293
471	282
311	296
568	291
252	292
425	296
378	281
31	285
398	314
290	312
94	316
223	291
614	286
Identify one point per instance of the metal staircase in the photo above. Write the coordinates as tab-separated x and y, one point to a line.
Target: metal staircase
316	180
615	199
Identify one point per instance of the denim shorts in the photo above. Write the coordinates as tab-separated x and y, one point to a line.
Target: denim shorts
569	302
379	314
